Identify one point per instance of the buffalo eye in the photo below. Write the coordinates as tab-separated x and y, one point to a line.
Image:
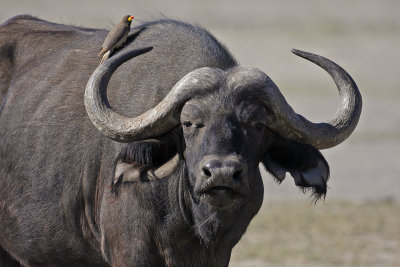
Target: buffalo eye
258	125
187	124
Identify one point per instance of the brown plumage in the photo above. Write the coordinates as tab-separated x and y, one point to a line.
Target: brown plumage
116	37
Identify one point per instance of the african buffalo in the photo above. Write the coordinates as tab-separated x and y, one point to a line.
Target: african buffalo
169	175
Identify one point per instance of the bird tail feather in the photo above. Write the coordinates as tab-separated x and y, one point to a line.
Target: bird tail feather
105	56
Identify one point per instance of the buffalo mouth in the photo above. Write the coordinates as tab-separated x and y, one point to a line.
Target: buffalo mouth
221	196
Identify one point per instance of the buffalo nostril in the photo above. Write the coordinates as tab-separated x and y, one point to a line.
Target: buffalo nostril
211	167
206	172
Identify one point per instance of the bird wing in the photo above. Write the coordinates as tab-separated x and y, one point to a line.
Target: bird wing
113	37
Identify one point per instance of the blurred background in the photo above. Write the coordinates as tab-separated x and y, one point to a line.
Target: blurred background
358	224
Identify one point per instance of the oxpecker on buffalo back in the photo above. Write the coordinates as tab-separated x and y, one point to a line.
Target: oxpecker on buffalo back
116	37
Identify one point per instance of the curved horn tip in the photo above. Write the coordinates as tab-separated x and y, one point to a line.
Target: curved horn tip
294	50
127	55
145	49
300	53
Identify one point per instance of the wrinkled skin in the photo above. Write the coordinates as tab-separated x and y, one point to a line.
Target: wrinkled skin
69	196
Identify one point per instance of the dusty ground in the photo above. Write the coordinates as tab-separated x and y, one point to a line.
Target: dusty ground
361	35
332	234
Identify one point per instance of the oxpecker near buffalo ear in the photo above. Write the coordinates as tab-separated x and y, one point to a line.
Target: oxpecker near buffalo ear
116	37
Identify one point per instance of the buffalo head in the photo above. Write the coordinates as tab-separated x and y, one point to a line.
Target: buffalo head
226	123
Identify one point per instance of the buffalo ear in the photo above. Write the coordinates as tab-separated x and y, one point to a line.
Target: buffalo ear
305	163
145	160
132	172
127	172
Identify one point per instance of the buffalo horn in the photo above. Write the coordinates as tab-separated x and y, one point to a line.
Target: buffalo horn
154	122
282	118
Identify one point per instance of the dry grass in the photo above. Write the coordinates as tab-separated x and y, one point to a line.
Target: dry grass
331	234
